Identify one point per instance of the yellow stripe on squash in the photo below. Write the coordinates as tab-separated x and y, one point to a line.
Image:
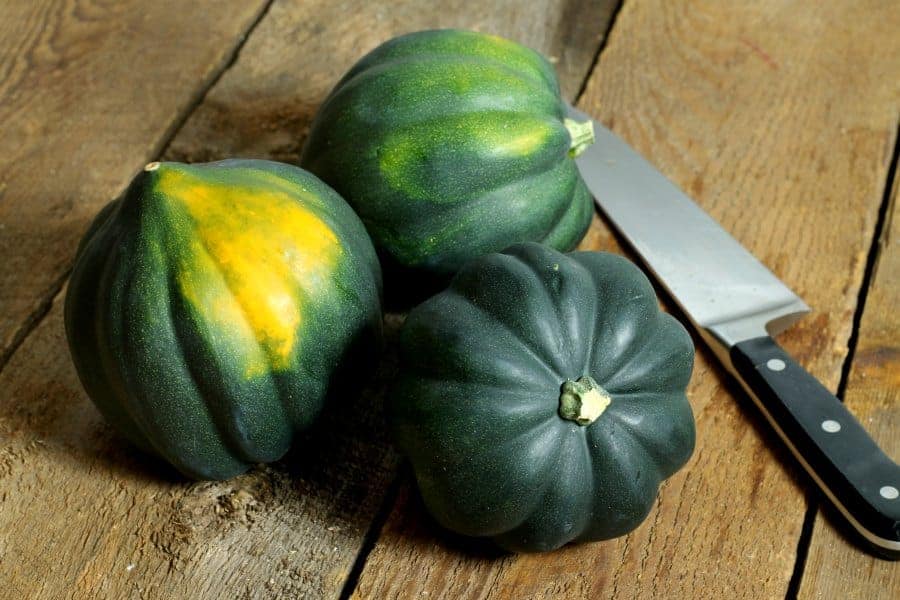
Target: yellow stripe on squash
256	253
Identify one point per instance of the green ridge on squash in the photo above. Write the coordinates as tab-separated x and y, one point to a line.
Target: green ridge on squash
541	398
211	306
450	144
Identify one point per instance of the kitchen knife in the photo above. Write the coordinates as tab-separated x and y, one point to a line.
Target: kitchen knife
737	305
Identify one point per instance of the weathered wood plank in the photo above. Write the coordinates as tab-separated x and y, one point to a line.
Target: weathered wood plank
835	566
778	117
88	92
263	106
80	513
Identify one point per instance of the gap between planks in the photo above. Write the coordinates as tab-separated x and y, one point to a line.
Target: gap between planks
45	302
814	498
596	60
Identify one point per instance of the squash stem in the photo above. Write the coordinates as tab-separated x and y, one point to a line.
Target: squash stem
583	401
582	135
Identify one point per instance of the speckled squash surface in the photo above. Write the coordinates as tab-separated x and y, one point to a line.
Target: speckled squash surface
541	398
450	144
211	306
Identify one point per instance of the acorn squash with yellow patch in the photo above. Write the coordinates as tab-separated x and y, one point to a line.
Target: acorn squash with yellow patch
451	144
212	307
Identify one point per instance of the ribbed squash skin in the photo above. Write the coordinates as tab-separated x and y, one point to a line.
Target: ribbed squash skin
450	144
211	306
476	406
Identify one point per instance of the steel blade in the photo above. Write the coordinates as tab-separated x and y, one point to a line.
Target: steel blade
716	281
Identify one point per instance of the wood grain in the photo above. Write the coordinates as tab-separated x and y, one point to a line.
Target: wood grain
81	513
779	118
263	106
89	91
835	566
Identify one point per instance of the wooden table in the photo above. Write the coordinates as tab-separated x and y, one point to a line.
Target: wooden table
779	117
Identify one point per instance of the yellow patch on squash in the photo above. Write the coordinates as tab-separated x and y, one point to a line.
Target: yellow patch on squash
407	158
256	250
525	142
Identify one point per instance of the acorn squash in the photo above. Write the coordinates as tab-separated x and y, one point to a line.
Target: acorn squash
541	398
450	144
212	306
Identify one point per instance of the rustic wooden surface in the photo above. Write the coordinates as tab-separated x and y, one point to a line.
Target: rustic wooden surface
779	118
89	91
263	105
873	394
68	486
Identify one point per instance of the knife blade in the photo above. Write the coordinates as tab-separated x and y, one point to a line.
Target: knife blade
737	305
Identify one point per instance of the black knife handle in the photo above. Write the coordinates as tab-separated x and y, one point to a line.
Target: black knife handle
846	463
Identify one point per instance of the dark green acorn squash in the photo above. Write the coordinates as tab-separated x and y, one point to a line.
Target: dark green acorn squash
212	305
450	144
541	398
